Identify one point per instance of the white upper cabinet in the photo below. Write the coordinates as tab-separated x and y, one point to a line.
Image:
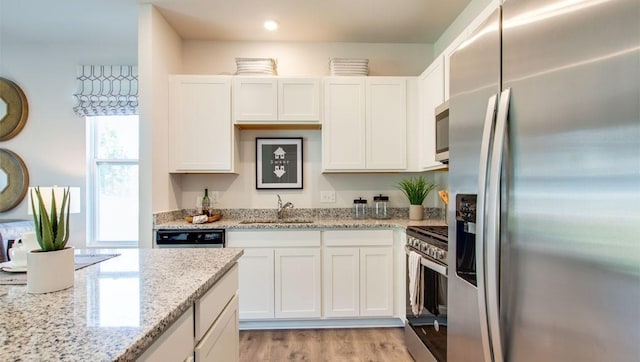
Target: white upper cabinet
255	99
431	93
299	99
201	136
386	126
275	100
365	124
343	129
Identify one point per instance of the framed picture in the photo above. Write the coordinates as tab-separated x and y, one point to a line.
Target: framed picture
278	163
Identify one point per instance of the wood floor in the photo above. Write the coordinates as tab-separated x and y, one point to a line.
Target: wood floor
361	344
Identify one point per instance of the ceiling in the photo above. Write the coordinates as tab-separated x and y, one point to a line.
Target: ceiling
372	21
377	21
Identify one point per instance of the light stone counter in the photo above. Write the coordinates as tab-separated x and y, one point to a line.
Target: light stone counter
116	308
318	223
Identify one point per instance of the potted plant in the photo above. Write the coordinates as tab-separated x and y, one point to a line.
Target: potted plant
416	189
51	267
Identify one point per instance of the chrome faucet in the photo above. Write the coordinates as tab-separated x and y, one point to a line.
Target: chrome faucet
282	207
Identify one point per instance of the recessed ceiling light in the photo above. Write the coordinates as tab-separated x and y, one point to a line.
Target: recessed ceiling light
271	25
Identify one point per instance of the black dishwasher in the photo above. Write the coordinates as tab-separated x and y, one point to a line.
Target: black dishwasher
190	238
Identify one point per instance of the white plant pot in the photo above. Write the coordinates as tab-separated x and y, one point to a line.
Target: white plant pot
50	271
416	212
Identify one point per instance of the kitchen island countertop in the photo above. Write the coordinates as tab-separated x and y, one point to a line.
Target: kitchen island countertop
116	309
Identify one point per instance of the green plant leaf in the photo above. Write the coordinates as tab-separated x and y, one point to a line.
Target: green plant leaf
416	189
52	229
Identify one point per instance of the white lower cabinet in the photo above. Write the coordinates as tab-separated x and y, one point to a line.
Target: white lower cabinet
376	281
279	273
358	273
292	275
297	283
221	342
256	283
340	282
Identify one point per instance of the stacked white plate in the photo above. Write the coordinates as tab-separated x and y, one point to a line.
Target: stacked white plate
349	66
265	66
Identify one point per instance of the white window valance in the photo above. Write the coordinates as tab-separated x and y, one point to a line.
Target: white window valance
107	90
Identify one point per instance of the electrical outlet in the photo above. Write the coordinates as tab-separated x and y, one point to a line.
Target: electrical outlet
214	196
327	196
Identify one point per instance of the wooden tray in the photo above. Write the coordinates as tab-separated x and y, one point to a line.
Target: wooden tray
212	218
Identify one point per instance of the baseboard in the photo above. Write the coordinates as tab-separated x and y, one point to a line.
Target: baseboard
322	323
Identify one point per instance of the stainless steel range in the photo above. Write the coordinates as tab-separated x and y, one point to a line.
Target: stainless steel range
426	326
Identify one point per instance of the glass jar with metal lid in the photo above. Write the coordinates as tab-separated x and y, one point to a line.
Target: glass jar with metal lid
381	207
360	208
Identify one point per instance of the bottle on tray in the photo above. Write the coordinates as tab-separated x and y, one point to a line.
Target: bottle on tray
206	203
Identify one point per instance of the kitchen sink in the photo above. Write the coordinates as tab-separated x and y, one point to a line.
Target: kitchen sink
276	221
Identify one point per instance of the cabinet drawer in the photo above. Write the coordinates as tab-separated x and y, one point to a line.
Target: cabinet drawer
222	342
358	237
273	239
209	307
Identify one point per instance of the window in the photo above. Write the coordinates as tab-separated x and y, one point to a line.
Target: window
112	181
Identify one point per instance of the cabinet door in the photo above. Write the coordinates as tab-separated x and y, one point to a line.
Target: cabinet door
174	344
201	135
386	124
222	341
297	283
299	100
255	99
343	130
431	89
376	281
256	284
341	282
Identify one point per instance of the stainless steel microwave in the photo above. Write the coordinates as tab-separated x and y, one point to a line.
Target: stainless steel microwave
442	132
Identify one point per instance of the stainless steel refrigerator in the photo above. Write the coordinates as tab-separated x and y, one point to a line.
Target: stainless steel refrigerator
545	136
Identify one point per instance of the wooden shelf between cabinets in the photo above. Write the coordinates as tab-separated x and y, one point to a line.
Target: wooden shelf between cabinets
278	126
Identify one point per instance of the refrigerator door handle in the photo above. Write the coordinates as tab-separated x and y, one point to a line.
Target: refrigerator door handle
492	232
485	148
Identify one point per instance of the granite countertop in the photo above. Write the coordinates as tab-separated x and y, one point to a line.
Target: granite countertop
116	308
318	223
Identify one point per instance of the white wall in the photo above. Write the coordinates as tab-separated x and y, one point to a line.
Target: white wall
160	54
306	59
52	143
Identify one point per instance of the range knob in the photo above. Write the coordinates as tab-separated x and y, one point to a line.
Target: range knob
432	251
440	255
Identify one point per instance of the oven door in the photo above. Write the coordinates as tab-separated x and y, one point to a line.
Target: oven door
426	333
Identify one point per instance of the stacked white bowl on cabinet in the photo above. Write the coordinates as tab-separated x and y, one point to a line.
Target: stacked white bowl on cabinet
349	66
256	66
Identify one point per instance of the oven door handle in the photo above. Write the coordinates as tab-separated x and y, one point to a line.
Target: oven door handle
438	268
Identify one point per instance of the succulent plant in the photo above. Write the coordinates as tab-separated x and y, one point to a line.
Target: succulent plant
416	189
52	230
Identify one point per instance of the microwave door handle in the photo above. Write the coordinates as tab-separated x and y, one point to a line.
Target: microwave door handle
493	227
485	148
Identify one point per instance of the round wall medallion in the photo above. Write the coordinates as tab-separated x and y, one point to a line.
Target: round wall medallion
14	109
14	180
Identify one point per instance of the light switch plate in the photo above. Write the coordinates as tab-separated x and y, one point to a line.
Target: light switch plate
327	196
